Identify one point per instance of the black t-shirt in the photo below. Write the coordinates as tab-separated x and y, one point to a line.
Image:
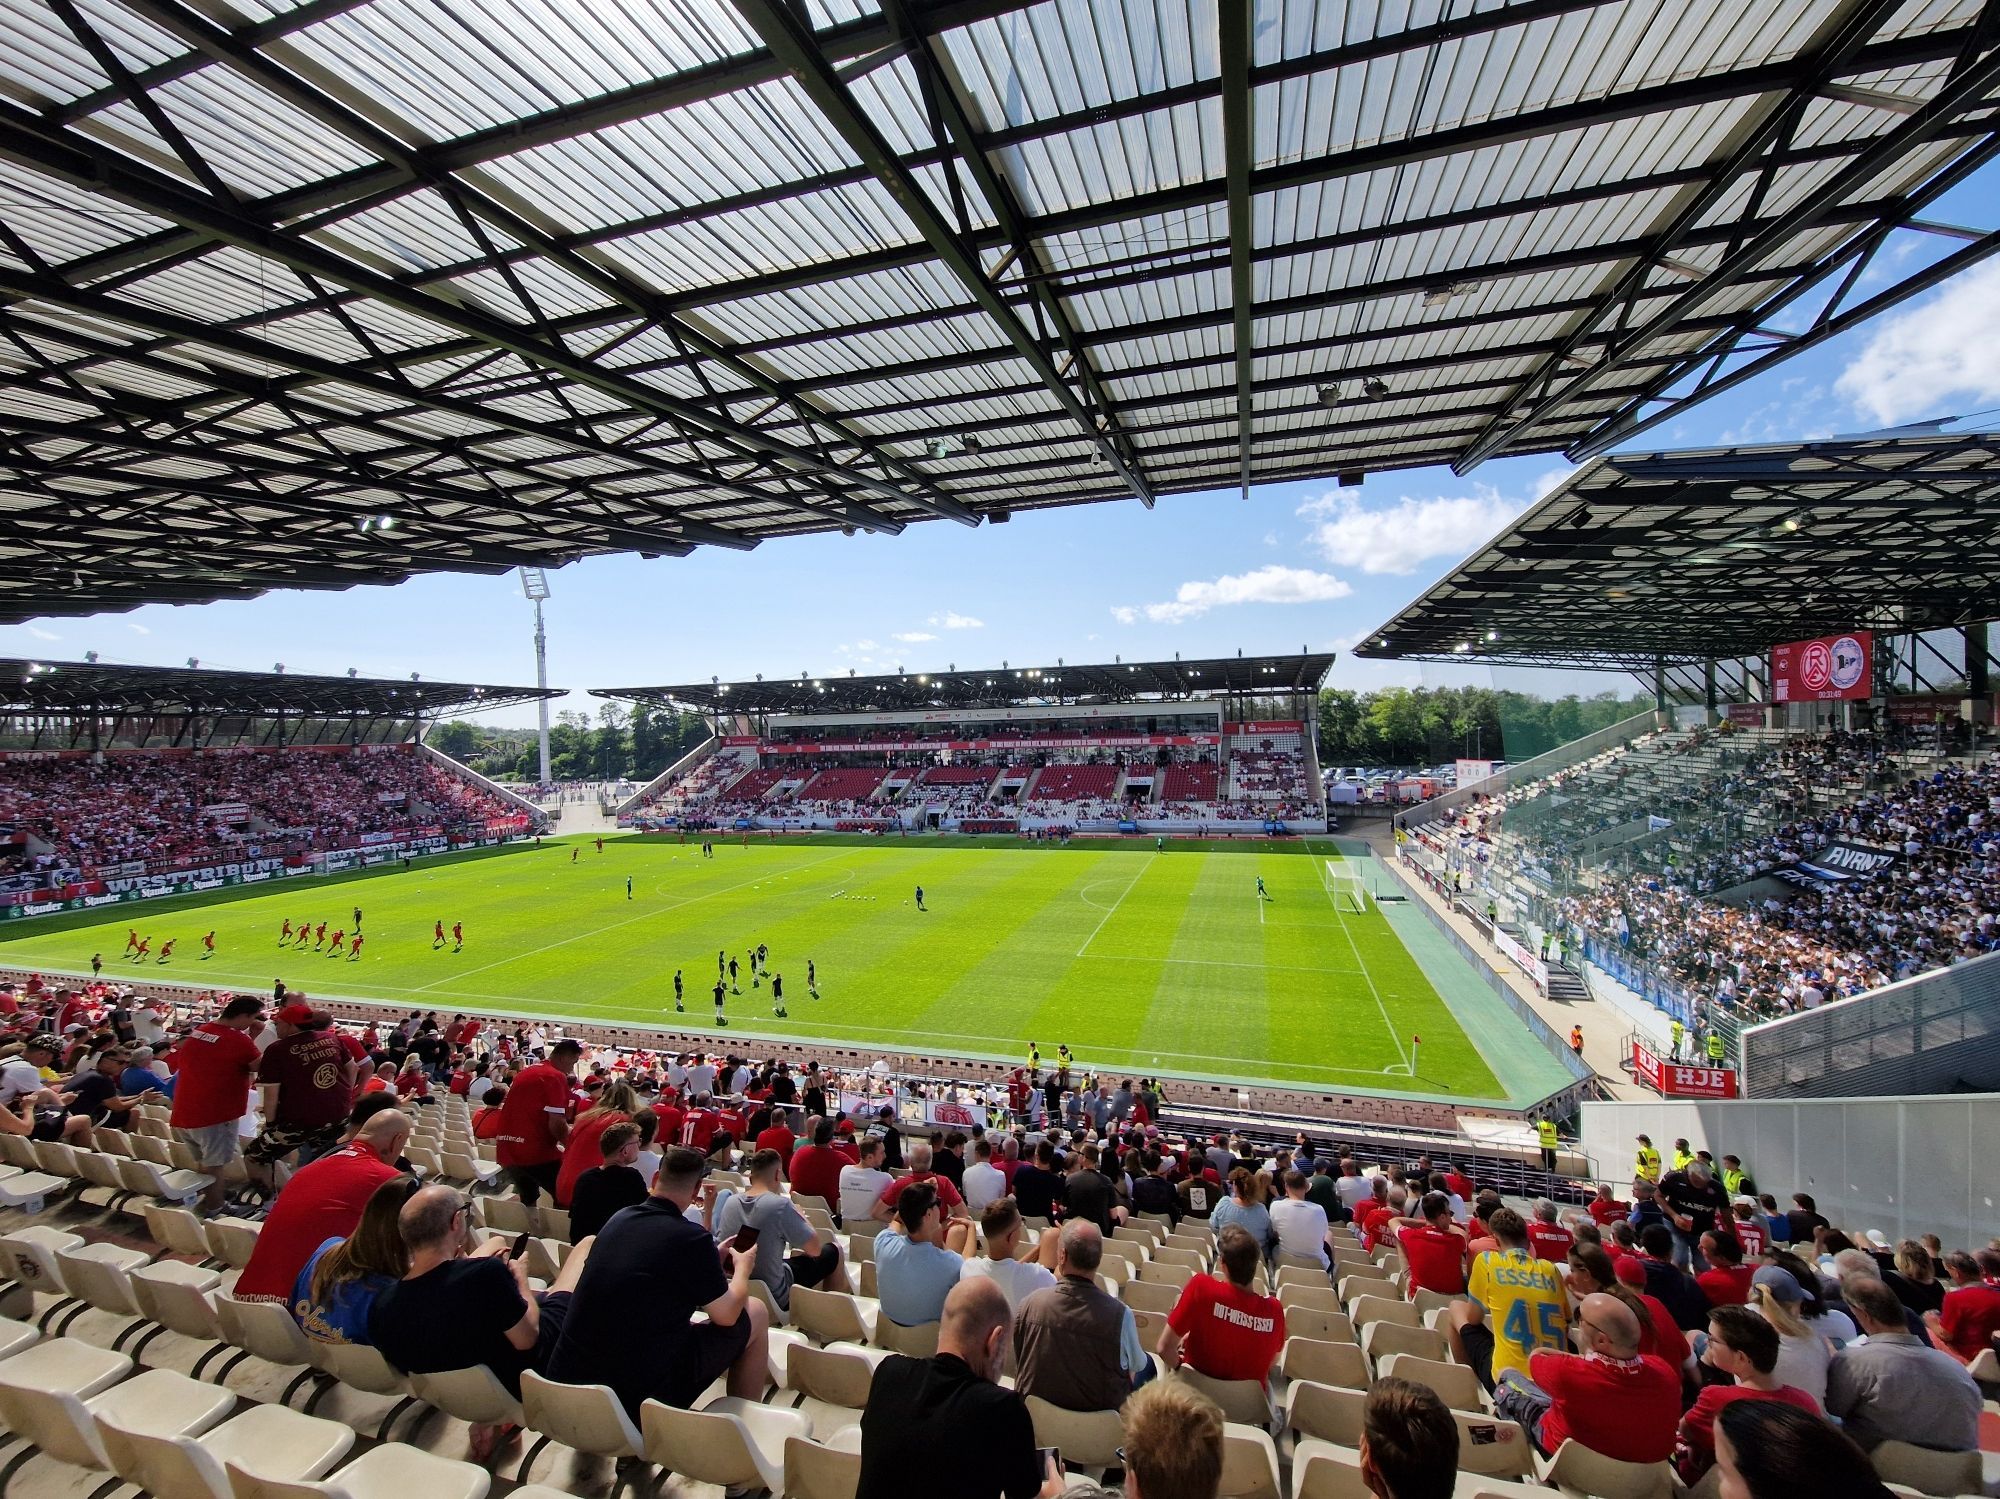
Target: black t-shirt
1155	1194
600	1192
453	1317
1035	1191
783	1089
814	1101
1089	1194
1804	1225
1699	1203
950	1165
1675	1290
650	1271
931	1416
89	1094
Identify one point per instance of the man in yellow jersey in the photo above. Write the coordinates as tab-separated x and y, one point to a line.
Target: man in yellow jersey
1646	1164
1717	1049
1679	1034
1519	1304
1545	1131
1683	1157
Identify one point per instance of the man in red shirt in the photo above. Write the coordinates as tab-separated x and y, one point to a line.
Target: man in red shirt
1222	1328
322	1201
1744	1346
534	1121
1606	1209
213	1067
920	1171
1749	1229
815	1166
1971	1314
1548	1239
778	1137
1373	1216
1726	1281
1433	1247
1610	1397
670	1116
700	1124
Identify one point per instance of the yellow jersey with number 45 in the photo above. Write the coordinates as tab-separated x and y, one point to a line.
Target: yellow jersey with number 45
1526	1303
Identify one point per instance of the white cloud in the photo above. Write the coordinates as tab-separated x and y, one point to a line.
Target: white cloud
40	634
864	645
1935	355
136	628
951	619
1397	538
1266	585
913	637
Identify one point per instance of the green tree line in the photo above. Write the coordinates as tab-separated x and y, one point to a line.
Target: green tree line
621	745
1410	726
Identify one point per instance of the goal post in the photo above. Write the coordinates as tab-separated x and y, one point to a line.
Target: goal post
1343	884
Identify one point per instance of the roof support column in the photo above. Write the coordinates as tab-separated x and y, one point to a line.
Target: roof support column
1708	690
1978	705
1660	709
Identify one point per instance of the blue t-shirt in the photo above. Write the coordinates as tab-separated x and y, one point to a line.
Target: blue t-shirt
136	1080
913	1279
1253	1218
344	1319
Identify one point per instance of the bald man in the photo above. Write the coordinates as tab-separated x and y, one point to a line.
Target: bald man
949	1413
322	1201
1608	1396
1076	1345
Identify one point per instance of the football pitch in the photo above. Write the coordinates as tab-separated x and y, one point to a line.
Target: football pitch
1140	961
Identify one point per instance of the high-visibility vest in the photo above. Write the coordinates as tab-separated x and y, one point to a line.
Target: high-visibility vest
1547	1131
1678	1032
1682	1160
1715	1046
1732	1181
1649	1164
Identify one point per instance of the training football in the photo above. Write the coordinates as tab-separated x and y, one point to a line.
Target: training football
1136	959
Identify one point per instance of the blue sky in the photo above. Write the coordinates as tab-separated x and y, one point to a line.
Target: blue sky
1294	565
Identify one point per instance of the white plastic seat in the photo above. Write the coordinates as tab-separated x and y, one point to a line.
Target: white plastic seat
506	1215
831	1316
1342	1364
280	1443
822	1470
1320	1326
1493	1447
394	1470
101	1170
829	1386
1928	1471
361	1367
233	1240
1149	1296
919	1341
1324	1470
1368	1310
18	1151
1578	1471
176	1230
30	1190
28	1255
1327	1412
1242	1401
63	1423
1455	1384
16	1337
101	1275
1317	1298
584	1418
1089	1439
168	1184
173	1296
473	1395
265	1330
731	1442
1249	1464
1381	1340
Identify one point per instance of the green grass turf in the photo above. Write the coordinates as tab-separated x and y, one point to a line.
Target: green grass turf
1139	960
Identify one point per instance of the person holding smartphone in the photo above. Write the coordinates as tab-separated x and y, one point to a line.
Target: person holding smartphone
784	1248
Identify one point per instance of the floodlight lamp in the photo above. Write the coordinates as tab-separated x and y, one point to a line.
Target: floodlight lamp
192	663
969	443
1329	394
91	657
352	672
1492	634
534	584
1375	386
413	677
279	668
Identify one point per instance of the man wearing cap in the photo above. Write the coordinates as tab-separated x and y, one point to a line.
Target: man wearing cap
212	1094
305	1081
534	1121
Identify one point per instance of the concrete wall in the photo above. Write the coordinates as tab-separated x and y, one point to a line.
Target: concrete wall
1905	1166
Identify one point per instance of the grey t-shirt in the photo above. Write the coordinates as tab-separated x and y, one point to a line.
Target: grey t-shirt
780	1229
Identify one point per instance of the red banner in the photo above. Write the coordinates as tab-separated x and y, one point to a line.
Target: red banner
1831	668
1674	1080
1748	715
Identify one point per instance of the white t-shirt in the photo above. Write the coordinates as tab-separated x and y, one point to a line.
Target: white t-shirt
1300	1226
149	1025
859	1187
701	1078
17	1080
983	1183
1017	1279
1353	1190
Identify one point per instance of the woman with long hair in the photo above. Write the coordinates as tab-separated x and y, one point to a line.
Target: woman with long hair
616	1104
1245	1208
338	1285
1804	1354
1766	1449
1914	1280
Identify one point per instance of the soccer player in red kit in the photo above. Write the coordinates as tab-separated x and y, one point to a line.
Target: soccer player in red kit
208	946
437	935
354	948
319	934
339	937
167	948
144	950
131	938
457	935
285	932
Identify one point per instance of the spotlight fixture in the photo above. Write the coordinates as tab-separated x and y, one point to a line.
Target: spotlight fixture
1441	292
414	677
91	657
193	664
1350	480
279	668
969	443
351	672
1329	394
1375	386
938	448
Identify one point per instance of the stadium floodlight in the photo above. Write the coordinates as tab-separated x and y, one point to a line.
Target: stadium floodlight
1375	386
535	588
91	657
1329	394
969	443
279	668
351	672
939	448
193	664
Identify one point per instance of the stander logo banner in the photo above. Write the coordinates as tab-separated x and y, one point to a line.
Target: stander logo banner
1833	667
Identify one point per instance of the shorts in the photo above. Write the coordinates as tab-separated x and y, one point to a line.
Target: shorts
811	1269
277	1141
554	1311
709	1350
1477	1339
214	1145
48	1125
532	1181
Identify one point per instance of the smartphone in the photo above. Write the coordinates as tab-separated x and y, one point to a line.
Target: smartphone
745	1240
1050	1458
520	1247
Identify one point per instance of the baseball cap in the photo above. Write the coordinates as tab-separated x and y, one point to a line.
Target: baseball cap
43	1042
1781	1283
1879	1239
295	1014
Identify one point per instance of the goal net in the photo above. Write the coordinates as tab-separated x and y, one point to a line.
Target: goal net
1343	883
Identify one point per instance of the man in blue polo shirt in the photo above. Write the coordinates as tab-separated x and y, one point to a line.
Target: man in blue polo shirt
917	1259
652	1267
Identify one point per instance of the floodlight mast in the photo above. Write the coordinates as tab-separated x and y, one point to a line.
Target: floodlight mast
535	585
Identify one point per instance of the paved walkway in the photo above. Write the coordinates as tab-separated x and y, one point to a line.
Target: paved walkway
1604	1029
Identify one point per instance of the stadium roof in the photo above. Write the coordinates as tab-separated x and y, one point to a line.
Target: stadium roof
1120	681
308	293
71	687
1716	553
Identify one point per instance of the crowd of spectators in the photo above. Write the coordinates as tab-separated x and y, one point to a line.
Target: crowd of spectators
1686	1324
83	815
